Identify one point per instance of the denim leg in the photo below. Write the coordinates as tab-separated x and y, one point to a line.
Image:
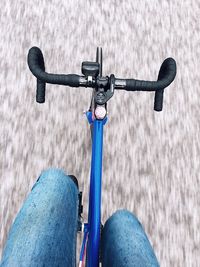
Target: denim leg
125	244
44	231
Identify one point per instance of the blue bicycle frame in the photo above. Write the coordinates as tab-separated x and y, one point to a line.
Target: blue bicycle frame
93	227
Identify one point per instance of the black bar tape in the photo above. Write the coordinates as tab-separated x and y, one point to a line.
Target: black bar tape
158	100
137	85
36	65
40	92
166	75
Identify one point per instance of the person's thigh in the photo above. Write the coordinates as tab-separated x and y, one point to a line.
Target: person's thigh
125	244
44	231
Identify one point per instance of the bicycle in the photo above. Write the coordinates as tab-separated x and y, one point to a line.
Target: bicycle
103	89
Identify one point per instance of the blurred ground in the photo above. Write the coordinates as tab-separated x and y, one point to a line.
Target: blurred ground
151	160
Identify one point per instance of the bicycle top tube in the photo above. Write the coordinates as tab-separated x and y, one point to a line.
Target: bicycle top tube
92	78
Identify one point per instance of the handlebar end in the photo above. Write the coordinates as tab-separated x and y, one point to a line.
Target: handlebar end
158	100
40	92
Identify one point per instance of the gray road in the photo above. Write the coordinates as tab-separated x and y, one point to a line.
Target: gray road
151	160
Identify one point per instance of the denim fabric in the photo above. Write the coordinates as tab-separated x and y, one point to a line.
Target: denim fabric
125	244
44	231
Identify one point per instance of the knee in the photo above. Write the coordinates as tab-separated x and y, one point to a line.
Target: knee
54	190
55	180
123	219
124	242
54	174
123	226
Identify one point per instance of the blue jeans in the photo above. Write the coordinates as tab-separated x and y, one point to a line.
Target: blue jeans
44	231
